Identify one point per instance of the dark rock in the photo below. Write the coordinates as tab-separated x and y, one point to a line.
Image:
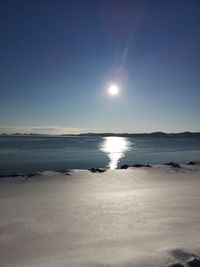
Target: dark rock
173	164
125	166
64	171
100	170
148	166
190	163
177	264
141	165
15	175
194	262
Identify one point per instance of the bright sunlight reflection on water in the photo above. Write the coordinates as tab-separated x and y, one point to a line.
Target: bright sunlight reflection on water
115	148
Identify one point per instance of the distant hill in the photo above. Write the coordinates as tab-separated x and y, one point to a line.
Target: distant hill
154	134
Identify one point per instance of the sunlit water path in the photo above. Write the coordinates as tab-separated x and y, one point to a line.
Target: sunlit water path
115	148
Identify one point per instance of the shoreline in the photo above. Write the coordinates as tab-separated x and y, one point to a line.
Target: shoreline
172	165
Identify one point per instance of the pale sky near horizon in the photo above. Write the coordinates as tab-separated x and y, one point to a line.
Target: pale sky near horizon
58	59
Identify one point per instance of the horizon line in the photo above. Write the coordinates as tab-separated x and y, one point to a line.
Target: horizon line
104	133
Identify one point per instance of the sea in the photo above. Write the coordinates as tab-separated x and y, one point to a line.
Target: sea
24	154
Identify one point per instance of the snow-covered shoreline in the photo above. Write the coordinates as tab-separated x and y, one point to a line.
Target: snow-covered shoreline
134	217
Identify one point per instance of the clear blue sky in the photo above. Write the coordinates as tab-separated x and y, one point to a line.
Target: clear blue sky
57	59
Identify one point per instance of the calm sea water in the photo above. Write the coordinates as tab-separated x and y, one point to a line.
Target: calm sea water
38	153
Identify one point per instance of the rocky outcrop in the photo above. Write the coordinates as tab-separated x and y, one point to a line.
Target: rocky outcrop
126	166
173	164
100	170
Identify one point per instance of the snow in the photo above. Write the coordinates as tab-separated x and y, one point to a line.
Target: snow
135	217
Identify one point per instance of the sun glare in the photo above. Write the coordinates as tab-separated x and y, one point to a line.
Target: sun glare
113	90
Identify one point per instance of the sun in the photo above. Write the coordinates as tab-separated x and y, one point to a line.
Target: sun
113	90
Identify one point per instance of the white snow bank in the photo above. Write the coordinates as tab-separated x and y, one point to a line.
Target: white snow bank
135	217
